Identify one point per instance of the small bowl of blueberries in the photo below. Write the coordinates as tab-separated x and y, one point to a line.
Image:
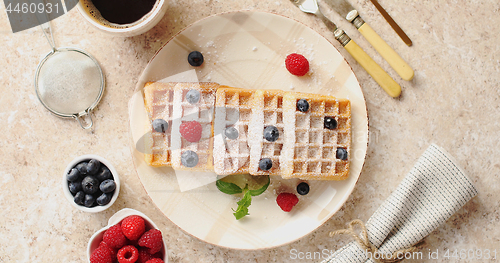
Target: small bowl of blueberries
91	183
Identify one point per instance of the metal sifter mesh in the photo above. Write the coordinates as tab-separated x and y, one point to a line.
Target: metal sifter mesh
69	82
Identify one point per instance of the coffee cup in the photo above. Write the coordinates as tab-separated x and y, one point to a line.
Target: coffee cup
123	18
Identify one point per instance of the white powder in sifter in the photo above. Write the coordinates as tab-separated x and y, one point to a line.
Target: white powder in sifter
69	82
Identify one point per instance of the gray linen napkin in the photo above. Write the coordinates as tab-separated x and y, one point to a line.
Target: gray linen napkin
430	194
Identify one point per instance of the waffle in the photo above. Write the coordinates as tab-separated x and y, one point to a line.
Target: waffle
203	113
267	111
158	99
310	149
305	149
232	109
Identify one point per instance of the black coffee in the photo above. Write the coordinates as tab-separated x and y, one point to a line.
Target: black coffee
123	11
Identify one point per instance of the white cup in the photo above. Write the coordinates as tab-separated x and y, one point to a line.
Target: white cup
125	30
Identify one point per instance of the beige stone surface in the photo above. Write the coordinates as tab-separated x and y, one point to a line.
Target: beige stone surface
453	101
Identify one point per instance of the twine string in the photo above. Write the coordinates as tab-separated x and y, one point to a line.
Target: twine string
366	245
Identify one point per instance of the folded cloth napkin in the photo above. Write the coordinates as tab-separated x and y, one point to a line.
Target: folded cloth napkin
430	194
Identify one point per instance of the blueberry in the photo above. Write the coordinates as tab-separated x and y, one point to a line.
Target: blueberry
231	133
271	133
195	59
90	184
93	166
73	175
75	187
107	186
265	164
330	123
303	188
89	200
189	159
193	96
79	197
82	167
160	125
103	174
302	105
341	154
104	199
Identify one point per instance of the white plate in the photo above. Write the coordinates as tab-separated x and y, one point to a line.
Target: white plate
248	50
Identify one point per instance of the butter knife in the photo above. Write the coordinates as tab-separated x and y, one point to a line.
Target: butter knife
392	23
395	61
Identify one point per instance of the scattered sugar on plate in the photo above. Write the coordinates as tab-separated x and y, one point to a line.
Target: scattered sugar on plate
210	44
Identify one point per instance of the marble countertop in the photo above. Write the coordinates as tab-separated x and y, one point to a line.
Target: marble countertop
453	101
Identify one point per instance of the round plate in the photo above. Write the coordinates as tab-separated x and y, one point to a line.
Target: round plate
248	50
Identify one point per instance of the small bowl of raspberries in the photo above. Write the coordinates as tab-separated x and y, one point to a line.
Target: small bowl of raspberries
91	183
130	236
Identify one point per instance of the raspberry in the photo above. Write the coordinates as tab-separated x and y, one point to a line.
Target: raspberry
297	64
133	227
128	254
144	255
102	254
191	131
152	240
287	201
111	250
155	260
114	237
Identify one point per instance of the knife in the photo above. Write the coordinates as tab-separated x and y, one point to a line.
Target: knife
378	74
392	23
395	61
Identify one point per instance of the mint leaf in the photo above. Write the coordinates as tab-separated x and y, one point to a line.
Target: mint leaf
261	190
241	212
228	188
246	200
243	205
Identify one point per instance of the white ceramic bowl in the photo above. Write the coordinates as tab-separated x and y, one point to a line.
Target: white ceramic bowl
134	29
70	197
117	218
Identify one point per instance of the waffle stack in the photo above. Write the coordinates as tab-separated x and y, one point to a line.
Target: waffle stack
311	144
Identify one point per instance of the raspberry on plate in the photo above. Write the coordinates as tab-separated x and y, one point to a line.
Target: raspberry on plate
152	239
128	254
191	131
287	201
297	64
155	260
114	237
133	227
102	254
